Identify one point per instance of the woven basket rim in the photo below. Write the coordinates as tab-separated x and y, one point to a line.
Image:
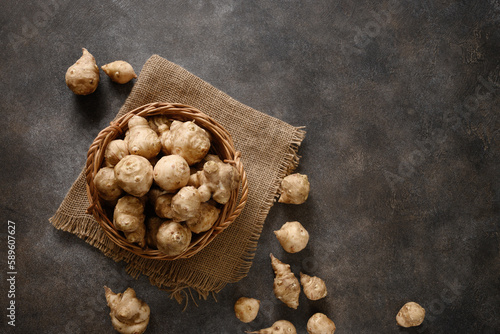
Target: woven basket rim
221	141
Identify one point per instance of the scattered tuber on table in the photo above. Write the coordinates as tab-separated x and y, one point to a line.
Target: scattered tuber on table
134	174
294	189
279	327
119	71
206	217
115	151
410	315
292	236
286	285
186	204
173	238
129	218
171	172
246	309
187	140
216	180
129	315
142	140
83	76
314	287
320	324
107	186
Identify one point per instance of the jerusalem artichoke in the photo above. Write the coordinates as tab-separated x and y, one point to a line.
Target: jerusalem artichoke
134	174
173	238
83	76
119	71
129	315
279	327
206	217
246	309
410	315
115	151
129	218
314	287
187	140
107	186
292	236
286	285
142	140
320	324
185	204
294	189
171	172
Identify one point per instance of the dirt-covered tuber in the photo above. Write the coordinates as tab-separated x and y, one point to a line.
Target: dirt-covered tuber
83	76
294	189
319	323
314	287
410	315
292	236
115	151
171	172
286	286
134	174
187	140
107	186
246	309
279	327
173	238
119	71
129	315
142	140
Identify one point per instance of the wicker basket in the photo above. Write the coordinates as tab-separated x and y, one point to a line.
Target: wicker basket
222	145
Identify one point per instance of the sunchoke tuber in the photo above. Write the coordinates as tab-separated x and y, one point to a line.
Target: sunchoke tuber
129	218
206	217
246	309
134	174
286	285
142	140
186	204
292	236
319	323
314	287
279	327
83	76
187	140
173	238
129	315
107	186
171	172
152	225
162	202
410	315
119	71
115	151
294	189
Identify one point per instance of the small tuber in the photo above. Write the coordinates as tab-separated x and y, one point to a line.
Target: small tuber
171	172
186	204
292	236
142	140
410	315
115	151
246	309
119	71
320	324
129	218
286	285
134	174
173	238
314	287
187	140
129	315
162	202
107	186
279	327
83	76
206	217
294	189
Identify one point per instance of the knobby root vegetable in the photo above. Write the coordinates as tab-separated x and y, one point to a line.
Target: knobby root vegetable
204	220
173	238
320	324
216	180
129	315
294	189
115	151
159	123
83	76
292	236
134	174
129	218
187	140
286	285
410	315
279	327
152	225
171	172
162	202
186	204
314	287
142	140
246	309
119	71
107	186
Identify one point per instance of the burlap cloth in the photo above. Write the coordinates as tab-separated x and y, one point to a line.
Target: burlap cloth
269	151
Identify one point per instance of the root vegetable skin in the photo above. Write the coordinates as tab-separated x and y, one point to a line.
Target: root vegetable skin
286	286
205	219
115	151
107	186
186	204
292	236
142	140
119	71
187	140
314	287
410	315
129	315
83	76
279	327
246	309
173	238
320	324
294	189
134	174
171	173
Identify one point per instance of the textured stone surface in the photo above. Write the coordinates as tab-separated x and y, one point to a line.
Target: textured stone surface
400	103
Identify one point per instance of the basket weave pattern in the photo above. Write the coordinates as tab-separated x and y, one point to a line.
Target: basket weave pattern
221	144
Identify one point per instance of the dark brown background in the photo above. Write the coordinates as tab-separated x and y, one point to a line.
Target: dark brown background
400	103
